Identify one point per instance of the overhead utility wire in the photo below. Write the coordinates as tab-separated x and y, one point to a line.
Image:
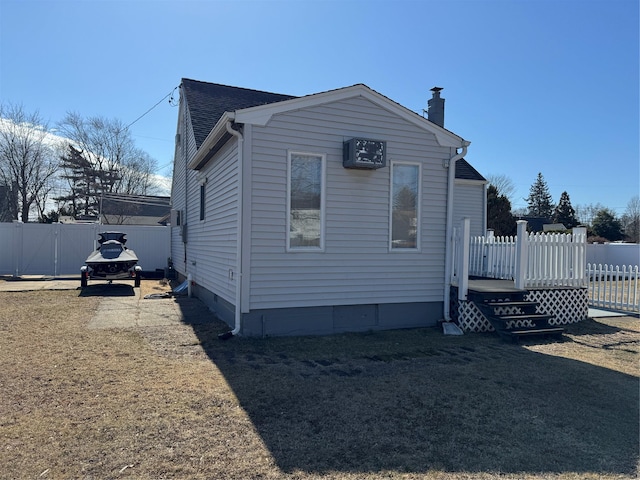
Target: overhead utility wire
170	94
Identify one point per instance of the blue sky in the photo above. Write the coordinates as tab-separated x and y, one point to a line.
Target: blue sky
535	85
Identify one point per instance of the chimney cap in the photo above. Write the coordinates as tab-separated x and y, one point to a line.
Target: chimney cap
436	89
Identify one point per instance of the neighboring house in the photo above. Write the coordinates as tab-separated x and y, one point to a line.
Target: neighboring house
554	227
318	214
535	224
123	209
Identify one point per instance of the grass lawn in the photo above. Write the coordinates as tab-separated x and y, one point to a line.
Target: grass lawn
175	402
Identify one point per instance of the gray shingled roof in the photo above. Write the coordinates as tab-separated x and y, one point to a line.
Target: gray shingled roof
464	171
135	205
208	101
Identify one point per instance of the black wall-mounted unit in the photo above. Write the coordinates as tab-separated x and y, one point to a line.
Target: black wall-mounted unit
364	153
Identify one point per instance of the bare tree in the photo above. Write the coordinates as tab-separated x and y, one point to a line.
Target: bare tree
504	185
137	177
631	220
28	161
586	213
110	149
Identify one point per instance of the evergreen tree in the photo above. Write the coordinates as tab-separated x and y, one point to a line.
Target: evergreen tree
564	212
539	199
499	216
87	183
606	225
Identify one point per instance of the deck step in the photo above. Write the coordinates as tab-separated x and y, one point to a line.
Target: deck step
510	314
523	332
492	308
518	304
534	317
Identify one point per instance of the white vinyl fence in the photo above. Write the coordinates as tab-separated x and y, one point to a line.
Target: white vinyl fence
613	253
614	287
61	249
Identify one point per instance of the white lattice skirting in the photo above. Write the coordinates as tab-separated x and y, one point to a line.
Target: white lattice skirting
568	305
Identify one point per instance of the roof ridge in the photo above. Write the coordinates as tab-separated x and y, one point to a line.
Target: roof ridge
247	89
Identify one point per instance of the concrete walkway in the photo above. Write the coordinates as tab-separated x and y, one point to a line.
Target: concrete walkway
29	283
131	311
120	303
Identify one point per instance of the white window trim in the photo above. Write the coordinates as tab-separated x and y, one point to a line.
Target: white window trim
323	180
417	249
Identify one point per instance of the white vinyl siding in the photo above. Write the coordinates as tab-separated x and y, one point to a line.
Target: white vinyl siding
356	266
468	202
185	149
209	254
211	247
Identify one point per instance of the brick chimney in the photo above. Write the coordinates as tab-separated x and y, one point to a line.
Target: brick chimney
435	107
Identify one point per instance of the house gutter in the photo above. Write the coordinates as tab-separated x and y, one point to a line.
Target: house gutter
238	276
212	144
448	253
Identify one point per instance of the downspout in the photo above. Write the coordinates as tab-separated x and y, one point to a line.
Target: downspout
484	207
448	254
185	156
238	276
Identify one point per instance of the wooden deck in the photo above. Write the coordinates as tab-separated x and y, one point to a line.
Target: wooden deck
491	285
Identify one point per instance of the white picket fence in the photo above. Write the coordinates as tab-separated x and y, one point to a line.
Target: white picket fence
553	259
492	257
548	260
530	259
614	287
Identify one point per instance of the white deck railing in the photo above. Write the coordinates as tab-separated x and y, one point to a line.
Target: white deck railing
530	260
557	259
614	287
492	257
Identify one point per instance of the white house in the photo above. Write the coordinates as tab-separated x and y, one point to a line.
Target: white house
318	214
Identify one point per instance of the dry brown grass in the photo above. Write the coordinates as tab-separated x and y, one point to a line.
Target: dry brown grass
176	402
